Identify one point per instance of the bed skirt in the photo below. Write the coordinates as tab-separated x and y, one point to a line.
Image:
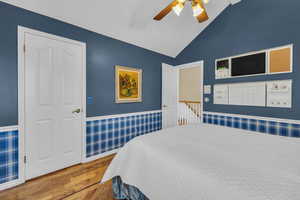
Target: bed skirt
123	191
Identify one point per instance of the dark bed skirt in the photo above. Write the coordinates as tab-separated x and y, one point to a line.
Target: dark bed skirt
123	191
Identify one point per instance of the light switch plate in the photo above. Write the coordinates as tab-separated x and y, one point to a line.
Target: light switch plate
207	89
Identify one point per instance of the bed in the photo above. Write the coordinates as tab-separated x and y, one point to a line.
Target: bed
206	162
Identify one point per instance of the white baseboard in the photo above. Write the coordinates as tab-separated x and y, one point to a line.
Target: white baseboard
102	155
11	184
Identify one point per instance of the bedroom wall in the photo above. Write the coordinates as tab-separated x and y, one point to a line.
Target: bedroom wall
103	53
249	26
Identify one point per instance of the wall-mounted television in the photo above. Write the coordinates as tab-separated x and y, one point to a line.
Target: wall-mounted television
249	65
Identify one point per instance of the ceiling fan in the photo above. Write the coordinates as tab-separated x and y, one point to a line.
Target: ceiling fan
177	6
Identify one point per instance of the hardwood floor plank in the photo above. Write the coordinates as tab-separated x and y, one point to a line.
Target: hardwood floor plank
82	179
95	192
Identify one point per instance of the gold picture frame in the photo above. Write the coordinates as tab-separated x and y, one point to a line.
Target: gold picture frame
128	84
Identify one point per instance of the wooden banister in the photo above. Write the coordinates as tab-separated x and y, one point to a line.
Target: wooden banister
190	105
185	101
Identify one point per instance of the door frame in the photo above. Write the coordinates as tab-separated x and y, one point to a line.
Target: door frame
192	65
162	89
21	93
185	66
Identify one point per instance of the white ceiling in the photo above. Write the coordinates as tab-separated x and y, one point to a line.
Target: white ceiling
129	20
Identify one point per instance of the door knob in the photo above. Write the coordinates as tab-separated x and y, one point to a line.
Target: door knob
164	106
76	111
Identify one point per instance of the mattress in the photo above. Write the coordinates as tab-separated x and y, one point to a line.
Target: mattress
206	162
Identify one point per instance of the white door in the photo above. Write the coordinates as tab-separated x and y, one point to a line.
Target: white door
53	104
169	95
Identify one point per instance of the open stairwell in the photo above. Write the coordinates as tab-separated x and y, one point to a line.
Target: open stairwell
189	112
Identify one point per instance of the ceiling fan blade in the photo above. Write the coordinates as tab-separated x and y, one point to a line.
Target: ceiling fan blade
203	16
166	11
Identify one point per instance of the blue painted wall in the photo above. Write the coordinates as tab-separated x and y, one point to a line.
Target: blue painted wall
103	53
249	26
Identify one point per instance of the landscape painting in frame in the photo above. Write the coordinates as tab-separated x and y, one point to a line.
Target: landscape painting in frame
128	84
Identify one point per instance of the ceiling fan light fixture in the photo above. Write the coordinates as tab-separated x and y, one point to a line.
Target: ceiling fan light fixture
178	8
197	10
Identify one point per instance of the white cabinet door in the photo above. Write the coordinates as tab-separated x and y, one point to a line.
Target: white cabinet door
53	92
169	95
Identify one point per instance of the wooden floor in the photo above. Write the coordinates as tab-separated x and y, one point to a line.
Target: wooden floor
80	182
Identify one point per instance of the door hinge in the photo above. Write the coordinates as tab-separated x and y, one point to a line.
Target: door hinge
24	48
25	159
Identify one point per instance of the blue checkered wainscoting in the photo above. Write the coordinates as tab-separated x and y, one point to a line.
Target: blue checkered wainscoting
8	156
252	124
112	133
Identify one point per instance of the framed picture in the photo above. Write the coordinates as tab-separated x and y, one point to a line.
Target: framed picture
128	84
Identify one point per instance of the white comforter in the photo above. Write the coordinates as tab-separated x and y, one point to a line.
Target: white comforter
207	162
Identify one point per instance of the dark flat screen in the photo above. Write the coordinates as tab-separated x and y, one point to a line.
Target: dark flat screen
247	65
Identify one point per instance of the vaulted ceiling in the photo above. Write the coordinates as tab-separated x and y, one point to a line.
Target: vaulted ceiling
129	20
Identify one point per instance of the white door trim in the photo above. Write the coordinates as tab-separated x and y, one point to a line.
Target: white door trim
191	65
21	94
163	89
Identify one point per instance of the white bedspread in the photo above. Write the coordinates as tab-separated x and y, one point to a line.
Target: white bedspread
207	162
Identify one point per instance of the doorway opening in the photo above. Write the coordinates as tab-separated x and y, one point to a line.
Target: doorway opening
182	94
190	95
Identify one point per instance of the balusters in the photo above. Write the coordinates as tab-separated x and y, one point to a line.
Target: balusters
189	112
